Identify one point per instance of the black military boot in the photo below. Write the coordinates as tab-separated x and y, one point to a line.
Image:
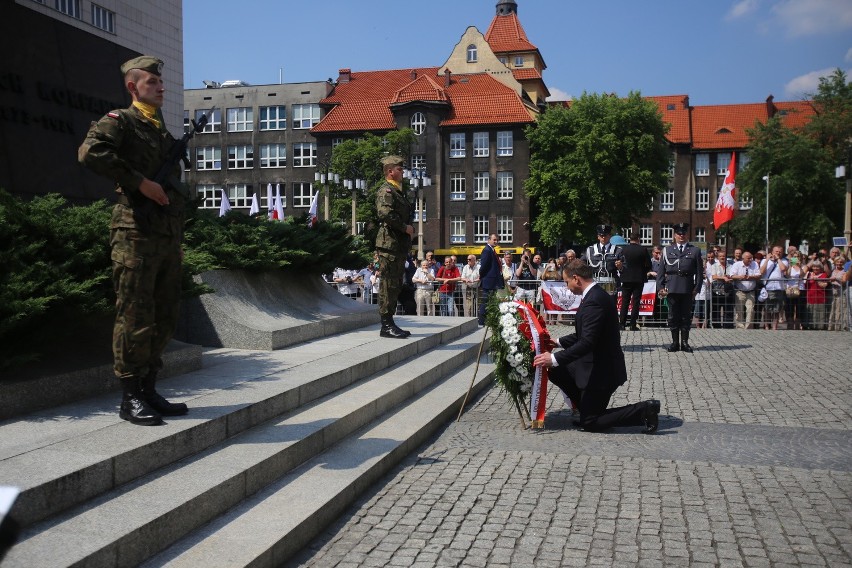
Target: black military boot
675	346
684	341
404	331
651	416
134	408
156	401
389	329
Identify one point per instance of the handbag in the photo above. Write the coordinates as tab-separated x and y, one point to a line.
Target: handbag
436	297
762	297
793	292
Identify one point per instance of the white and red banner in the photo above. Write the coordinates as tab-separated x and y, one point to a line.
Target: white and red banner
533	329
312	213
558	299
724	211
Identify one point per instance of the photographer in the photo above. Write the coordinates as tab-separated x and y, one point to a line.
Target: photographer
347	282
526	277
774	271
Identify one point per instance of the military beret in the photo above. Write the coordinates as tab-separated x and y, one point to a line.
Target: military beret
604	229
392	161
681	227
145	63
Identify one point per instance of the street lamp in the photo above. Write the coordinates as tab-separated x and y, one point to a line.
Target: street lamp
419	179
355	186
766	243
325	176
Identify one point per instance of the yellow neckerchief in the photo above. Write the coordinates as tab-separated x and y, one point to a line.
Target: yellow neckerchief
394	183
149	112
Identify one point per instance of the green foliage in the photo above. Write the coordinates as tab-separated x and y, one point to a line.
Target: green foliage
601	160
56	274
832	125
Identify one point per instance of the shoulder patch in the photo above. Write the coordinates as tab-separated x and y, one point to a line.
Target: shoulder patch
112	114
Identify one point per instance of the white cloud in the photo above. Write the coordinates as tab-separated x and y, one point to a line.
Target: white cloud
848	55
741	9
558	95
806	84
812	17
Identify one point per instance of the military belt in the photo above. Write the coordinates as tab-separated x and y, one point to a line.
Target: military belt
680	273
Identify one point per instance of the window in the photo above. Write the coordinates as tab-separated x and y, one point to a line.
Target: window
457	186
471	53
504	143
240	119
418	123
69	7
103	18
273	155
208	158
304	155
702	198
457	229
457	145
672	162
269	194
505	229
666	234
418	161
214	121
480	185
504	60
646	235
305	116
240	195
519	61
667	200
480	144
186	124
745	204
723	162
210	194
480	229
505	185
722	240
273	118
700	235
335	142
743	160
302	194
702	164
240	157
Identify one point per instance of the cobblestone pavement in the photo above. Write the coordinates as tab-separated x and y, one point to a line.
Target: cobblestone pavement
752	466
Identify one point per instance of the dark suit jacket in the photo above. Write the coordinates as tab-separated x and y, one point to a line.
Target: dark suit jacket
490	269
637	264
592	354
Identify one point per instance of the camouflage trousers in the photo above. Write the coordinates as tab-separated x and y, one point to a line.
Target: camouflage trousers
146	273
391	266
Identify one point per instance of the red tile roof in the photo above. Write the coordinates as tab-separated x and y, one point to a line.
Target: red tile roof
724	126
675	111
363	103
526	73
506	34
795	114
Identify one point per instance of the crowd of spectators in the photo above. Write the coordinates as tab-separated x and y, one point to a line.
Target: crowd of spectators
775	290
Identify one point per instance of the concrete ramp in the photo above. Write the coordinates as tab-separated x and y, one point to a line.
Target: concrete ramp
268	310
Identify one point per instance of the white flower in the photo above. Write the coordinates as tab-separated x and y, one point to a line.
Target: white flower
504	308
511	360
525	387
518	357
523	371
513	349
507	320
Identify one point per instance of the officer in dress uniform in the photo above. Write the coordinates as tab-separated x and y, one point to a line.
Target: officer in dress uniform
679	279
606	259
129	146
393	241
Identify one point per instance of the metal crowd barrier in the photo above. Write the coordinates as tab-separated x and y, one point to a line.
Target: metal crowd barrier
711	311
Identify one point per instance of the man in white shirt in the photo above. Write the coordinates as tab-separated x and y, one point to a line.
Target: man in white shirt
745	274
470	286
774	270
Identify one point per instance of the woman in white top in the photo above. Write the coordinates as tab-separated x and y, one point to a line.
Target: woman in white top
796	307
423	283
837	316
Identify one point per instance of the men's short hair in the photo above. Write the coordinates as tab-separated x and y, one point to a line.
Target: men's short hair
579	268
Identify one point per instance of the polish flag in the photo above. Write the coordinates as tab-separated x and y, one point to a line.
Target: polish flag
312	213
225	205
279	207
270	202
724	211
255	206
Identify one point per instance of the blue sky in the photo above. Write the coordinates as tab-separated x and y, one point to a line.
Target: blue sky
715	51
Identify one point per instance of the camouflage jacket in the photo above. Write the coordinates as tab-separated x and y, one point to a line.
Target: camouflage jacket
126	147
394	214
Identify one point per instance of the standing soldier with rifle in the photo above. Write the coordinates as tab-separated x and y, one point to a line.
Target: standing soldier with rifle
133	148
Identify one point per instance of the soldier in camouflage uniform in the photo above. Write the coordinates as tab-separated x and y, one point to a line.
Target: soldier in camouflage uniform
129	146
392	242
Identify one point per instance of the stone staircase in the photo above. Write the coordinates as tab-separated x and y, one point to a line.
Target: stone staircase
276	445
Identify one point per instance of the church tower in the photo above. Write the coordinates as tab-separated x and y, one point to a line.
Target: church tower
506	7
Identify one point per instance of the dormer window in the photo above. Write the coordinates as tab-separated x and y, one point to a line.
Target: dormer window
471	53
519	61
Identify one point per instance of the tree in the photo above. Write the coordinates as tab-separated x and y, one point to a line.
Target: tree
601	160
805	199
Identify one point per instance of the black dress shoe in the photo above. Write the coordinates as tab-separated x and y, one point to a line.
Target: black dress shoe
651	416
156	401
134	409
392	331
673	347
684	346
634	327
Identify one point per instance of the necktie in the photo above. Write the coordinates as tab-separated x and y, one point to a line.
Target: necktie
680	248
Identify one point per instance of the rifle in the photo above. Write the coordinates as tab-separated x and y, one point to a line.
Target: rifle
176	154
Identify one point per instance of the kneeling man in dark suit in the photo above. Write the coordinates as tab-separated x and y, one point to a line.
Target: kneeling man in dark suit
590	366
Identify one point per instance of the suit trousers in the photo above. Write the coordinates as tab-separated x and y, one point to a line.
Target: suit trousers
631	297
680	311
592	403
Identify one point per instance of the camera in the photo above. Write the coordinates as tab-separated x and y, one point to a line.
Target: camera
349	279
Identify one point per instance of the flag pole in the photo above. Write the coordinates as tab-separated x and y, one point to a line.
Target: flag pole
473	378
